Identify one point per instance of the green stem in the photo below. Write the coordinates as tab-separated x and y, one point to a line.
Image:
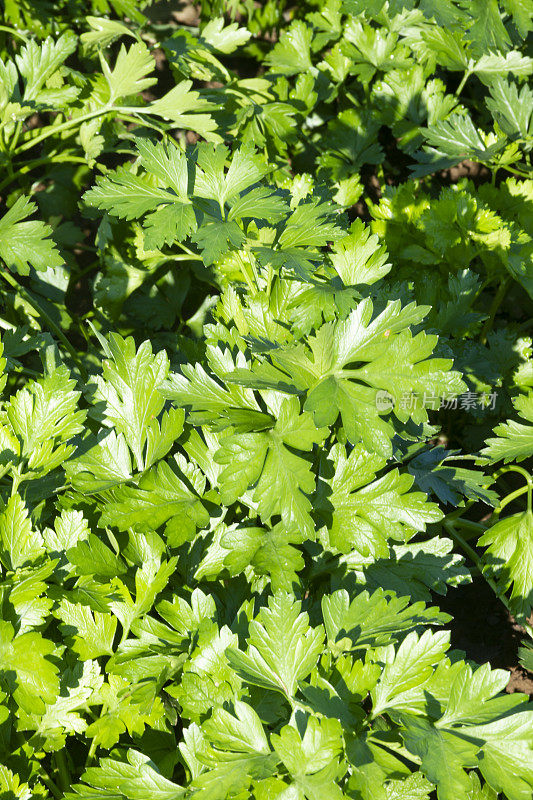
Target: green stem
47	780
186	249
138	120
255	274
469	525
85	270
51	325
4	470
13	32
248	282
124	111
247	278
16	136
516	171
32	373
462	84
53	129
16	481
37	162
182	257
474	558
525	326
63	772
92	751
525	474
349	96
510	497
496	303
270	278
460	511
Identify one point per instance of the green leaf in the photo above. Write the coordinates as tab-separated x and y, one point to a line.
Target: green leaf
150	579
208	680
40	65
372	620
371	49
315	754
493	64
26	669
350	142
239	733
443	44
321	745
135	779
435	472
514	440
103	32
69	529
44	416
451	141
181	106
63	717
125	710
512	109
212	182
389	358
501	749
161	497
19	545
267	551
292	54
411	666
215	238
442	759
91	633
129	389
11	785
163	191
126	195
27	595
212	403
282	648
506	760
472	696
26	244
366	512
224	38
104	465
487	30
414	787
458	137
129	75
281	478
310	225
92	557
416	568
359	258
522	14
509	557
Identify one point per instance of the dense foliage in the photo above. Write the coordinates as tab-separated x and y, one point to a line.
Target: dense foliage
267	393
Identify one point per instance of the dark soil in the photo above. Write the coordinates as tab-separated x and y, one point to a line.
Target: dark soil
183	12
483	628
